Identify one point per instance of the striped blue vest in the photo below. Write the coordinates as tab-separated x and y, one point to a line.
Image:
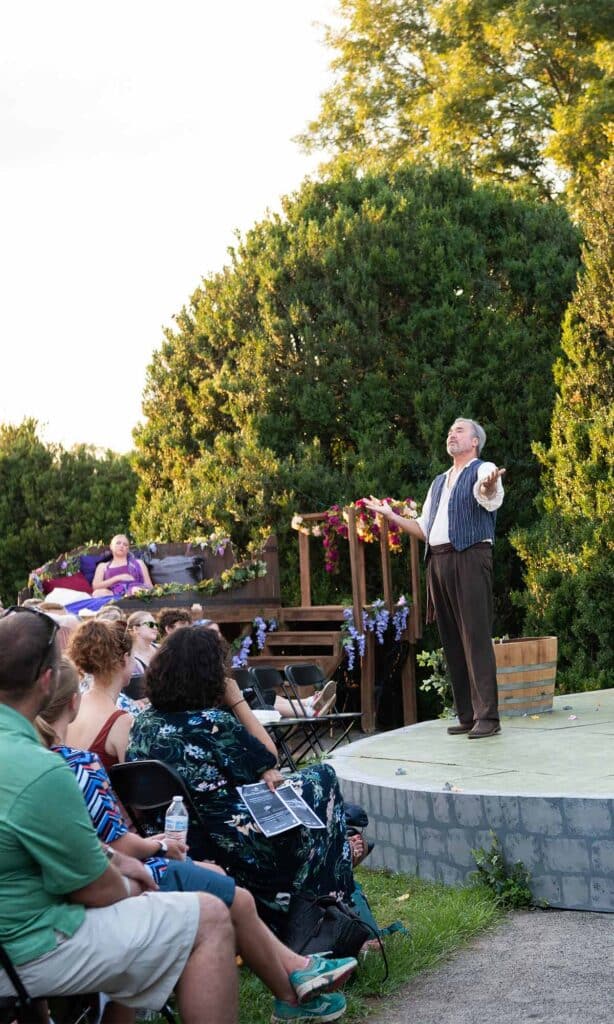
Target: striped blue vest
468	522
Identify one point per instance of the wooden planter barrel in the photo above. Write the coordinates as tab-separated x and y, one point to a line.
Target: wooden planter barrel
526	674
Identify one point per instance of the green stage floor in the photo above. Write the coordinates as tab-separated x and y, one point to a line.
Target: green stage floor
566	752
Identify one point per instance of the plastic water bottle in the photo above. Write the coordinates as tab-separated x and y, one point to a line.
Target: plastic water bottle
176	820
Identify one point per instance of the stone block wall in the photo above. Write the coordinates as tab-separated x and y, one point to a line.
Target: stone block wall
566	843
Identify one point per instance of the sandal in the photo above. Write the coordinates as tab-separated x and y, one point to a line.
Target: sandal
324	700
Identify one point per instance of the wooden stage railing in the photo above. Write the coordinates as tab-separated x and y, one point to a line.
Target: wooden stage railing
359	602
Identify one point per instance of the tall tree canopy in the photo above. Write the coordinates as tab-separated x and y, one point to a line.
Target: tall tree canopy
569	553
52	500
511	90
328	359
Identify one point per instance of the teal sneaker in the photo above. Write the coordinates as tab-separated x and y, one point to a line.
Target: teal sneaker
327	1006
321	975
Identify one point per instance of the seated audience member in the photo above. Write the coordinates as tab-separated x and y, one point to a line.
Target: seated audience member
109	613
123	574
103	651
143	631
170	619
52	608
65	917
190	726
68	624
274	963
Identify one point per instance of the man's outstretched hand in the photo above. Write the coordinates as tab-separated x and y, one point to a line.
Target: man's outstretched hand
488	486
379	507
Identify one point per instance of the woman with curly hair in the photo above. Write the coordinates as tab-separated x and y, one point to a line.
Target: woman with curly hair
201	724
102	650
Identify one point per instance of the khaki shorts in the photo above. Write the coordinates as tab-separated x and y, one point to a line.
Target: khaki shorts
134	951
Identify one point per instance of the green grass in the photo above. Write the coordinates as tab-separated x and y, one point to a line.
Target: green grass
439	918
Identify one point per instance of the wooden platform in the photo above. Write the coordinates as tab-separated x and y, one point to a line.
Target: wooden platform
545	786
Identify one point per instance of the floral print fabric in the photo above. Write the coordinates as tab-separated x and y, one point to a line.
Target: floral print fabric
215	754
102	803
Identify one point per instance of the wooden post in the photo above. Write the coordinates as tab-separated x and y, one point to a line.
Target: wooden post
357	563
408	687
415	615
305	569
367	685
271	557
386	569
359	600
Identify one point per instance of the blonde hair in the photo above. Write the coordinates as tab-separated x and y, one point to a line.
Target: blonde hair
110	613
134	620
66	688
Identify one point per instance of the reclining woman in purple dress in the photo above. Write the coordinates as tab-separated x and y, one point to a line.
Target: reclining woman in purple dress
123	574
292	978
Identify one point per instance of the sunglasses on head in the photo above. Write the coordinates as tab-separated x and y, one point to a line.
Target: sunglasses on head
52	625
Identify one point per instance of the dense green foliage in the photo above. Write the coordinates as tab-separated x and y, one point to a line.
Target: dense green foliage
327	361
516	91
509	883
569	553
52	500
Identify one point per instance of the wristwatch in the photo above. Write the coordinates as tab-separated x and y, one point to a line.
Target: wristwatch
162	847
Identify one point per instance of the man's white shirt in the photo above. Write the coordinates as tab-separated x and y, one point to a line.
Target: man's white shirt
439	531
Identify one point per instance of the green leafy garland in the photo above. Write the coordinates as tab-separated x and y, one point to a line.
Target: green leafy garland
236	576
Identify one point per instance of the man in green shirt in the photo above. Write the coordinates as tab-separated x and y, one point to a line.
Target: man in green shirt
65	917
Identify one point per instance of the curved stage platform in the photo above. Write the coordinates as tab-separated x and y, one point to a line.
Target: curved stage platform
545	786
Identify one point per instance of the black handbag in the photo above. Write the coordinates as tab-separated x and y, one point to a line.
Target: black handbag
324	925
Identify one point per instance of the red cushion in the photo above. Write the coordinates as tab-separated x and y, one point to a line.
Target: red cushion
76	582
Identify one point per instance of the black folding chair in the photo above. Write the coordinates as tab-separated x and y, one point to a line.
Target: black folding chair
294	737
245	681
146	788
135	688
25	1009
309	676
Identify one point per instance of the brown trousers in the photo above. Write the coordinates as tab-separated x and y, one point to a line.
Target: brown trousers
460	587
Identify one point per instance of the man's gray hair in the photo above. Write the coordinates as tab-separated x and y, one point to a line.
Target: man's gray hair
478	431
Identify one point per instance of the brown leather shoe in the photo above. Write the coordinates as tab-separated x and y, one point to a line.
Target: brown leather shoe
481	731
456	730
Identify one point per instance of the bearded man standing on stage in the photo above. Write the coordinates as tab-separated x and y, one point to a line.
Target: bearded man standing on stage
458	527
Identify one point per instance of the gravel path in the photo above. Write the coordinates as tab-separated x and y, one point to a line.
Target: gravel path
543	967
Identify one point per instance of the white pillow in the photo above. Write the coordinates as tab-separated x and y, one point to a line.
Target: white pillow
62	595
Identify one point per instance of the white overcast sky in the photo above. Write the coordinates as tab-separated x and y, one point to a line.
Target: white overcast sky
135	138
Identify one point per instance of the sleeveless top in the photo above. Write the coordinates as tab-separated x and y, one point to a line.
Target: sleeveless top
97	746
122	588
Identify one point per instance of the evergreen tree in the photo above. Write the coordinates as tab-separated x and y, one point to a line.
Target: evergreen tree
327	361
52	500
569	554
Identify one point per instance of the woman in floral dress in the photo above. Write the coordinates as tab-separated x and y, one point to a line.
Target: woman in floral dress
200	723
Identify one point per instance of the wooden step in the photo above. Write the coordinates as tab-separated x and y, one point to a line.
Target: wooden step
312	613
303	645
307	638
